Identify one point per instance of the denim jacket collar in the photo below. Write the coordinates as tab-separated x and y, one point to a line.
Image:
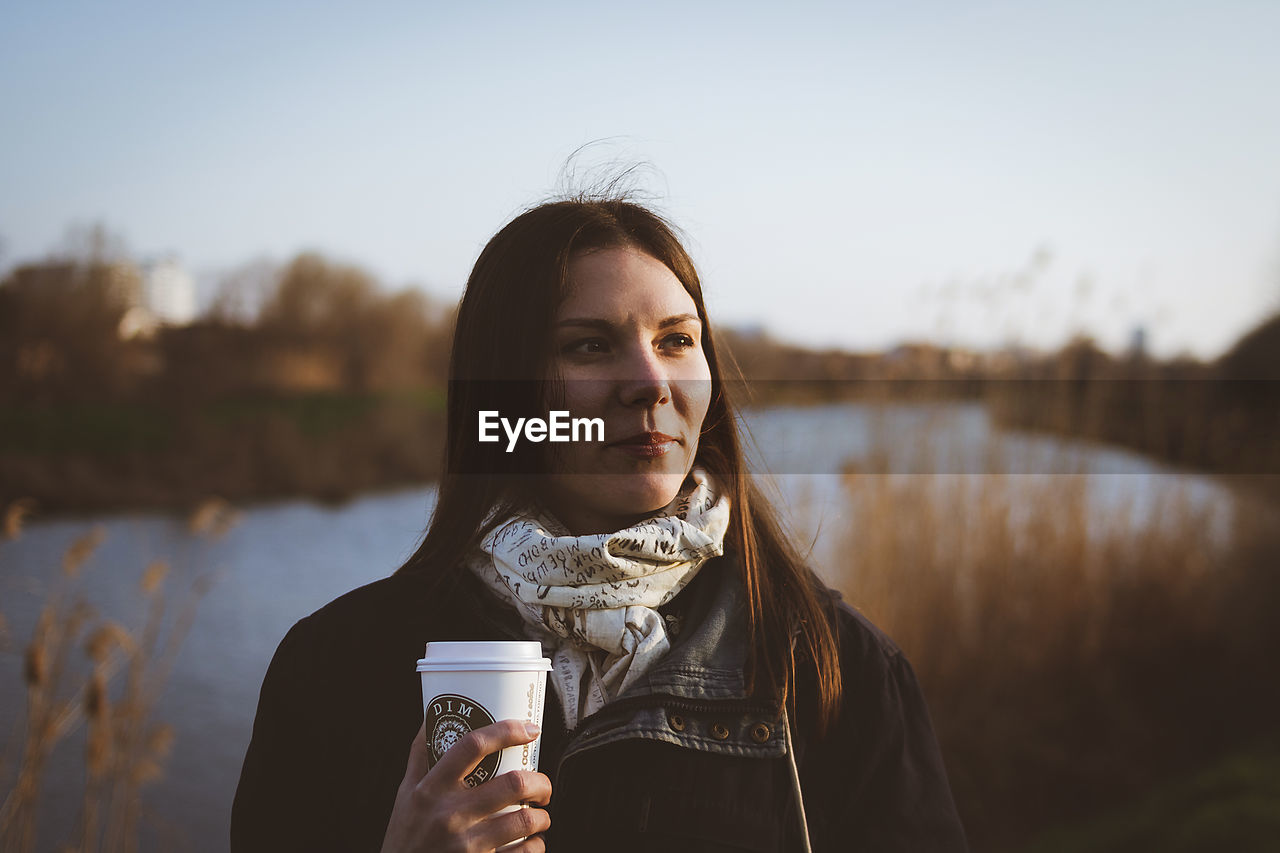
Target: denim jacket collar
696	695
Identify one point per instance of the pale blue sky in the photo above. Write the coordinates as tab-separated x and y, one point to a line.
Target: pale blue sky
850	174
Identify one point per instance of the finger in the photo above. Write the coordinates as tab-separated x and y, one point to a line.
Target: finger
464	755
529	845
419	752
505	828
514	788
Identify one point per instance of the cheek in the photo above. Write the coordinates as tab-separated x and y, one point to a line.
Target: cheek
584	396
698	417
697	394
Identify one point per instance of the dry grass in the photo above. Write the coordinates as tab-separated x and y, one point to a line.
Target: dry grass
110	688
1067	666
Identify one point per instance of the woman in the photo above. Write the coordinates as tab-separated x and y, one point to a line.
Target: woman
709	692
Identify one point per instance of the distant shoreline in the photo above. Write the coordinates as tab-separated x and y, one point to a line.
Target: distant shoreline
84	459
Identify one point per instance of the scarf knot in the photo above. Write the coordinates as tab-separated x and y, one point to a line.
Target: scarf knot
593	599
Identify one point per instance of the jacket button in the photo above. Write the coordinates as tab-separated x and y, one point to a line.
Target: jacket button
719	731
676	722
760	733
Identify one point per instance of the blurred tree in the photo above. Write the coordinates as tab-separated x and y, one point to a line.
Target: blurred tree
240	294
313	325
326	314
92	243
60	327
321	309
1256	355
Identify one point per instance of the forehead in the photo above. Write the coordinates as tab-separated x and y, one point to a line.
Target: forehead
620	283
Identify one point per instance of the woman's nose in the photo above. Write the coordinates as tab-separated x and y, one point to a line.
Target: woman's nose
645	381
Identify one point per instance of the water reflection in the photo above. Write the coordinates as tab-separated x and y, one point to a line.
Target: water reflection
815	461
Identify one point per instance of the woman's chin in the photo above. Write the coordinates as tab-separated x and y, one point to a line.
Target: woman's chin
617	500
640	494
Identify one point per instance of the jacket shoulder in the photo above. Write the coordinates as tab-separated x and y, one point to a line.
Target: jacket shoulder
454	606
880	769
381	599
344	677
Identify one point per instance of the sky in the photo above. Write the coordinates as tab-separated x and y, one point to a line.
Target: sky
852	174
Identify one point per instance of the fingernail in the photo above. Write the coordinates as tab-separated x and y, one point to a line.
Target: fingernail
533	729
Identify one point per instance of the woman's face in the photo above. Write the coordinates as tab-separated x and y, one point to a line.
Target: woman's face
627	343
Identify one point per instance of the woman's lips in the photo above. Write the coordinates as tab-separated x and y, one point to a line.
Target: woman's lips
650	444
646	451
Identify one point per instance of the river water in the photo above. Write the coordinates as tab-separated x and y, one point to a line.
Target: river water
284	560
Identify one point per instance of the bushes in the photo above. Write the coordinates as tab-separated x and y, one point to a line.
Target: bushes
1067	666
324	445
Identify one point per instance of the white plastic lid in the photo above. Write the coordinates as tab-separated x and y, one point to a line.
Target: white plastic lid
495	656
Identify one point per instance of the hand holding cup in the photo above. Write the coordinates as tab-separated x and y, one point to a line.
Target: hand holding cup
469	777
436	809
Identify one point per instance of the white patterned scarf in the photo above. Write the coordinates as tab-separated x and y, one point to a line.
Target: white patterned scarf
594	598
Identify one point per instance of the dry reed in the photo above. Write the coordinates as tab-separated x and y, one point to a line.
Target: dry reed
1067	663
125	747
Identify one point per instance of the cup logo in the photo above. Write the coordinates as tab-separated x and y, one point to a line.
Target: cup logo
449	717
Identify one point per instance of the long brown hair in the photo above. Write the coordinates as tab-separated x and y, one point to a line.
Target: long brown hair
500	356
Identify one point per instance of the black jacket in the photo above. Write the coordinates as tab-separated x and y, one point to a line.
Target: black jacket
668	770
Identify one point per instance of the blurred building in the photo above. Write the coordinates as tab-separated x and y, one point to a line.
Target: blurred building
162	292
168	291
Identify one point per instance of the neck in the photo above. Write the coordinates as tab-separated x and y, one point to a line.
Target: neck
584	521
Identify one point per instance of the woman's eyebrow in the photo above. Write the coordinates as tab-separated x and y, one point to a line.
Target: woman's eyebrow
595	323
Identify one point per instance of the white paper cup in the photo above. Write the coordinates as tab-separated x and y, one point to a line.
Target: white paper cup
467	686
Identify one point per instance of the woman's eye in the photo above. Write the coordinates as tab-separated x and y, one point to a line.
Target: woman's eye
681	341
586	346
